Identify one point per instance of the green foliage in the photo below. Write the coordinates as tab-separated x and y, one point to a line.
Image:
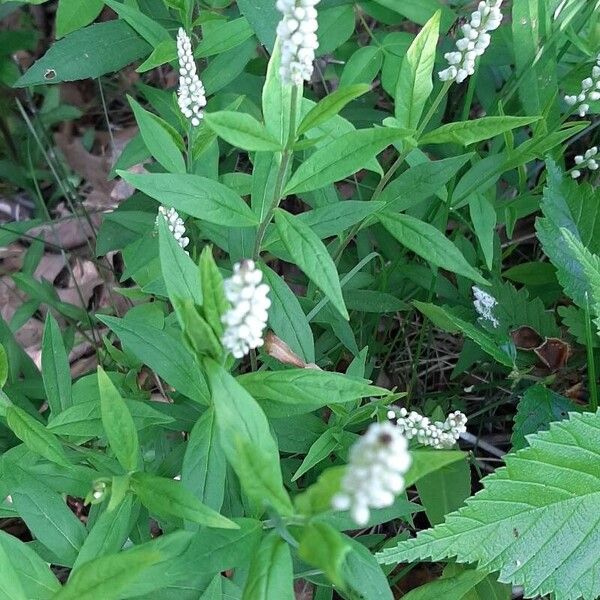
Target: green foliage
500	526
182	464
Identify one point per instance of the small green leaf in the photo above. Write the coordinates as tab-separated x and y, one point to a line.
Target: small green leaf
271	573
35	436
196	196
472	132
72	15
242	131
415	81
311	256
215	303
204	463
108	576
325	548
162	353
148	28
56	371
118	424
450	322
169	497
181	275
331	105
158	137
483	216
362	66
342	157
291	391
429	243
4	368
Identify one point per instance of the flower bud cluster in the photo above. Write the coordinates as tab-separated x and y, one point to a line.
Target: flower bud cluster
246	320
484	304
476	39
375	473
298	34
438	435
175	224
586	161
590	91
191	95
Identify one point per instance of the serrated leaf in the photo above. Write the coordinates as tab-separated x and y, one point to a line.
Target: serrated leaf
311	256
575	208
196	196
342	157
538	407
535	521
429	243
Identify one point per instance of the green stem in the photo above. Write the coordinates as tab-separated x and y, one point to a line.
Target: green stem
286	158
591	365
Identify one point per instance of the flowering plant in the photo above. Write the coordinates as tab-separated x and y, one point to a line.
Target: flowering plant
342	277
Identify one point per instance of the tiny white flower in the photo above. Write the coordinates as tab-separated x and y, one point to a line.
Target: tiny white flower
298	34
587	160
247	318
484	304
589	91
474	42
438	435
191	95
175	224
375	472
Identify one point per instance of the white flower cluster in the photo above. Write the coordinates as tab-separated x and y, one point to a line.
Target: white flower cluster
590	91
191	95
298	34
476	39
374	475
484	304
175	224
438	435
246	320
586	161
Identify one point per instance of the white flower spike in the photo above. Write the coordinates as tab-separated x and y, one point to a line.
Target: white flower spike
586	161
175	224
375	473
191	95
438	435
484	304
476	39
246	320
590	91
298	34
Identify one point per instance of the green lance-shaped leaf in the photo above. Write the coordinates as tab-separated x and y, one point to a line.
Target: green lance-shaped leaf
241	130
429	243
415	82
118	424
535	521
311	256
55	368
169	497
